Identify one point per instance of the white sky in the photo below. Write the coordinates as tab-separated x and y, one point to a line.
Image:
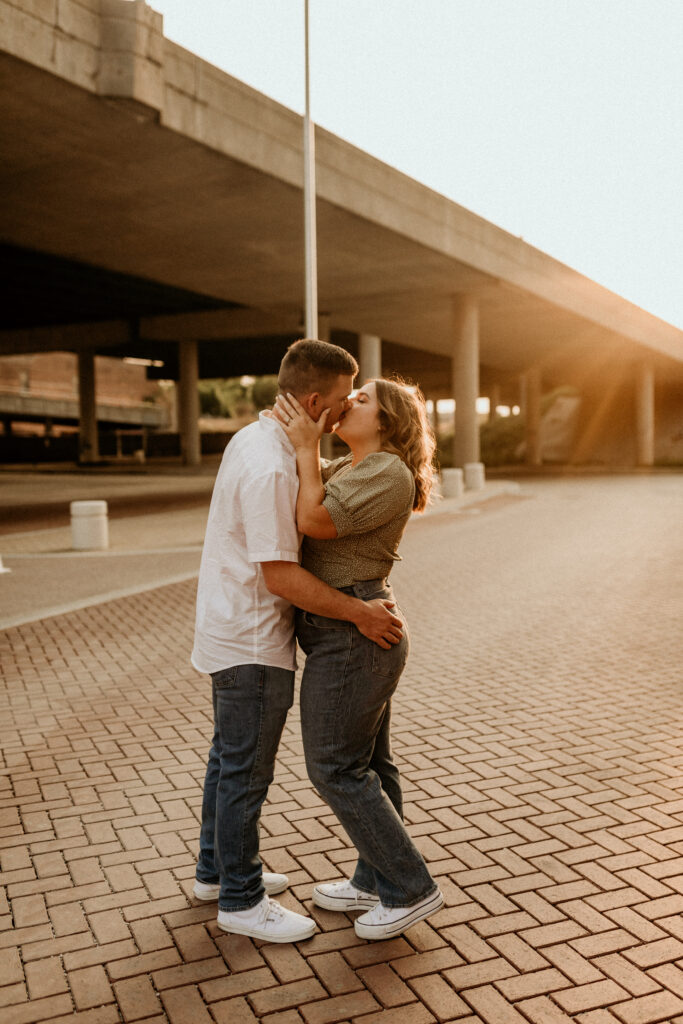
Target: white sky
558	120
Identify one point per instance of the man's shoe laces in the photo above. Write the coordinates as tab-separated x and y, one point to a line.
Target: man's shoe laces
272	911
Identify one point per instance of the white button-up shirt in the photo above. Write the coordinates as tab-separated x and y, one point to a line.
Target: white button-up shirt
252	519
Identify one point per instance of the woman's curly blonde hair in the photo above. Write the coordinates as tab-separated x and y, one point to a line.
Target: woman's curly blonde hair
406	432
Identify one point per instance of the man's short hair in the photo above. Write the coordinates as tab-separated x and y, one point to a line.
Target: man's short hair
310	365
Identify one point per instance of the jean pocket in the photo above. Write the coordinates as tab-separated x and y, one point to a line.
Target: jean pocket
224	678
390	663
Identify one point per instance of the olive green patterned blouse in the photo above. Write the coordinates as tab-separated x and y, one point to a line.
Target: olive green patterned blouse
370	505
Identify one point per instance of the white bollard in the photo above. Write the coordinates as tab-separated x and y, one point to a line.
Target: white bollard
452	483
89	526
436	494
474	476
3	568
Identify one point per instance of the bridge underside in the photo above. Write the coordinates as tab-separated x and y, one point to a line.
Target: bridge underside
130	230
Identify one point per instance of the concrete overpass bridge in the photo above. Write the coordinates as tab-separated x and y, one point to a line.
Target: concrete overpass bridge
151	206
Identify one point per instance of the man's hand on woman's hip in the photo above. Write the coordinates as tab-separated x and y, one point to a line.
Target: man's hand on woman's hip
374	619
378	623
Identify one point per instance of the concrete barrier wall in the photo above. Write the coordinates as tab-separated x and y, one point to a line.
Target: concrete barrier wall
61	36
219	111
116	48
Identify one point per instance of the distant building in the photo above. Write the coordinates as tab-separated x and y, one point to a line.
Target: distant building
39	400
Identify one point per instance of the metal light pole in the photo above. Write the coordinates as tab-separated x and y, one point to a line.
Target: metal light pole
311	253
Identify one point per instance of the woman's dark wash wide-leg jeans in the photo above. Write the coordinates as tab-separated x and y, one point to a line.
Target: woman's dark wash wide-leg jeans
346	691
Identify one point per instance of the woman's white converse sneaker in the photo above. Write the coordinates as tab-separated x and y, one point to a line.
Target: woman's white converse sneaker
267	920
343	896
273	884
385	922
205	891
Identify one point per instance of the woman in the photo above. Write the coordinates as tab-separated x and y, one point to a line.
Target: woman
353	512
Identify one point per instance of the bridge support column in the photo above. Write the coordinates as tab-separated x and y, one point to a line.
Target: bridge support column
188	403
532	411
88	445
369	357
466	380
645	413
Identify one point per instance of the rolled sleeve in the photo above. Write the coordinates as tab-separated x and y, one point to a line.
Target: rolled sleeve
370	494
269	518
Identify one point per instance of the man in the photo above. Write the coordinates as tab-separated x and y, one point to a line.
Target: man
249	581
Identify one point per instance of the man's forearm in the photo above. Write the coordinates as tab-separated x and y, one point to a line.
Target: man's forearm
304	590
374	619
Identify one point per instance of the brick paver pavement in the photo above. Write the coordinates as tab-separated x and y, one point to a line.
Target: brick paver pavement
538	728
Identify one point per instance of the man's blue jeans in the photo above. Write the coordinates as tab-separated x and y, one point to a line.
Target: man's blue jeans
346	692
250	705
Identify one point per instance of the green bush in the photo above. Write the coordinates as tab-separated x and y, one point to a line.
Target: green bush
263	392
209	401
500	439
227	397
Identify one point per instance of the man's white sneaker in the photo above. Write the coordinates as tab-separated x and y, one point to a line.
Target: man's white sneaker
386	922
343	896
272	883
267	920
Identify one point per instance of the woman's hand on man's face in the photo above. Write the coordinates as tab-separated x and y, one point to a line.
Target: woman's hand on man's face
302	431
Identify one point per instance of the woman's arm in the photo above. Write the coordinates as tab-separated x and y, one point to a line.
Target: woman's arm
312	517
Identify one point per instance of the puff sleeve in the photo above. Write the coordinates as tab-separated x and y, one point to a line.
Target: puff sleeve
366	496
